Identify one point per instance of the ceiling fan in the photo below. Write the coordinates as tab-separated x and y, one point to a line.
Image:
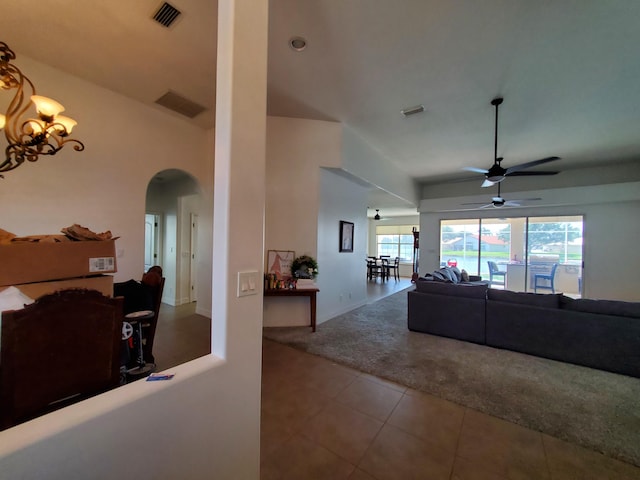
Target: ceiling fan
377	217
497	173
499	201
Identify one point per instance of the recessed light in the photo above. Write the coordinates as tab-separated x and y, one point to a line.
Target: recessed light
413	110
297	43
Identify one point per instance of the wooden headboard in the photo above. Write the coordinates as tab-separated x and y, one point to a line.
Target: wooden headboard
60	349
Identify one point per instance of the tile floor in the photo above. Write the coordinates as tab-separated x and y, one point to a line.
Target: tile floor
181	336
321	420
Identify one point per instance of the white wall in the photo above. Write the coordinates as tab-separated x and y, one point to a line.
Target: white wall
368	164
307	197
296	151
343	283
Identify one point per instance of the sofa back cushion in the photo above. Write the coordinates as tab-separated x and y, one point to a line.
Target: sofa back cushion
603	307
451	289
533	299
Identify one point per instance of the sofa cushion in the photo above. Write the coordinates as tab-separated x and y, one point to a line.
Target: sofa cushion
603	307
534	299
451	289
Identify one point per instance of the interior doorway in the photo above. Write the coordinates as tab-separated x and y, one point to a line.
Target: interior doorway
173	202
152	240
194	248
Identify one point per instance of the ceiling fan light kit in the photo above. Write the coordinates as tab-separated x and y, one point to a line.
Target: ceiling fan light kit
499	201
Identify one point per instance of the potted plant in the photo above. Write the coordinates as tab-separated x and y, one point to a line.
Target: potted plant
304	266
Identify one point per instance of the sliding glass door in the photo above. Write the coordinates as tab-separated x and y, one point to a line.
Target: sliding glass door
534	254
555	254
459	244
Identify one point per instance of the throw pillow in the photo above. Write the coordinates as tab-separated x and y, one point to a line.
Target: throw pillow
464	276
446	273
457	273
438	275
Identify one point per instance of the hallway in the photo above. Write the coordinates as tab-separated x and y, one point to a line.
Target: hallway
377	289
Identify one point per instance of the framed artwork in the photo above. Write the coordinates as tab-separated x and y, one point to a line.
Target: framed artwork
346	236
279	262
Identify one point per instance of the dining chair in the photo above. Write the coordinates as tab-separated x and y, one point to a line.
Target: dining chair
384	267
395	267
373	268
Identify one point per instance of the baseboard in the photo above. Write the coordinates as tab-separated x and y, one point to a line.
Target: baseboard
345	309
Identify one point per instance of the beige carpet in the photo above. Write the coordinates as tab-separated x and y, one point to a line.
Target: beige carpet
596	409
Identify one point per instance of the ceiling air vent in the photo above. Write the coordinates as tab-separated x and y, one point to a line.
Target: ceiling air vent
179	104
166	14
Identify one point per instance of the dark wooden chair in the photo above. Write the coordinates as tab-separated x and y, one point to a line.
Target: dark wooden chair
373	268
384	267
61	349
154	280
395	268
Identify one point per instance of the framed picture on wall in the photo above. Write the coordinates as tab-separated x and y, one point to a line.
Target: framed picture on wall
279	262
346	236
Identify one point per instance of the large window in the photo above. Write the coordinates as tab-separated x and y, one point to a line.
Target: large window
523	248
395	241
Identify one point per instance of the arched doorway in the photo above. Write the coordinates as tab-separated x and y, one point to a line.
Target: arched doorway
173	203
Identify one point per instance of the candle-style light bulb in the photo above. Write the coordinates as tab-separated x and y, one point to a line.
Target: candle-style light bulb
67	123
47	108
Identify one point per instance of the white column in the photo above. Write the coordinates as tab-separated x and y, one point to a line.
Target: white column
239	200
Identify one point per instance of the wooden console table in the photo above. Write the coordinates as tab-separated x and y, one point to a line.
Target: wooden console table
298	292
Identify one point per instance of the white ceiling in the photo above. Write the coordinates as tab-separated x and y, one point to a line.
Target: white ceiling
569	71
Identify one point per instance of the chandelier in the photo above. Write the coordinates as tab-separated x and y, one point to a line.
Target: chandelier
28	138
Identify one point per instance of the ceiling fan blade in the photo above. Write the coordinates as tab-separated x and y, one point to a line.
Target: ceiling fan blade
523	166
474	169
530	174
512	203
488	183
488	205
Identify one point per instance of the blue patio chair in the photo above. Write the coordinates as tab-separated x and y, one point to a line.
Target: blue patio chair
494	271
545	281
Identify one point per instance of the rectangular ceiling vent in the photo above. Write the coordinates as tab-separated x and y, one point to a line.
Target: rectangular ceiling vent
166	14
181	105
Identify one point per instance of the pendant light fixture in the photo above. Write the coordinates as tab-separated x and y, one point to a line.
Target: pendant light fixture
29	137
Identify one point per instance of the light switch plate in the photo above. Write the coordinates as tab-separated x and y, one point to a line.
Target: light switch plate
247	283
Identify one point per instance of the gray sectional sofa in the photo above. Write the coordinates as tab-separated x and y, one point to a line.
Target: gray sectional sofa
600	334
